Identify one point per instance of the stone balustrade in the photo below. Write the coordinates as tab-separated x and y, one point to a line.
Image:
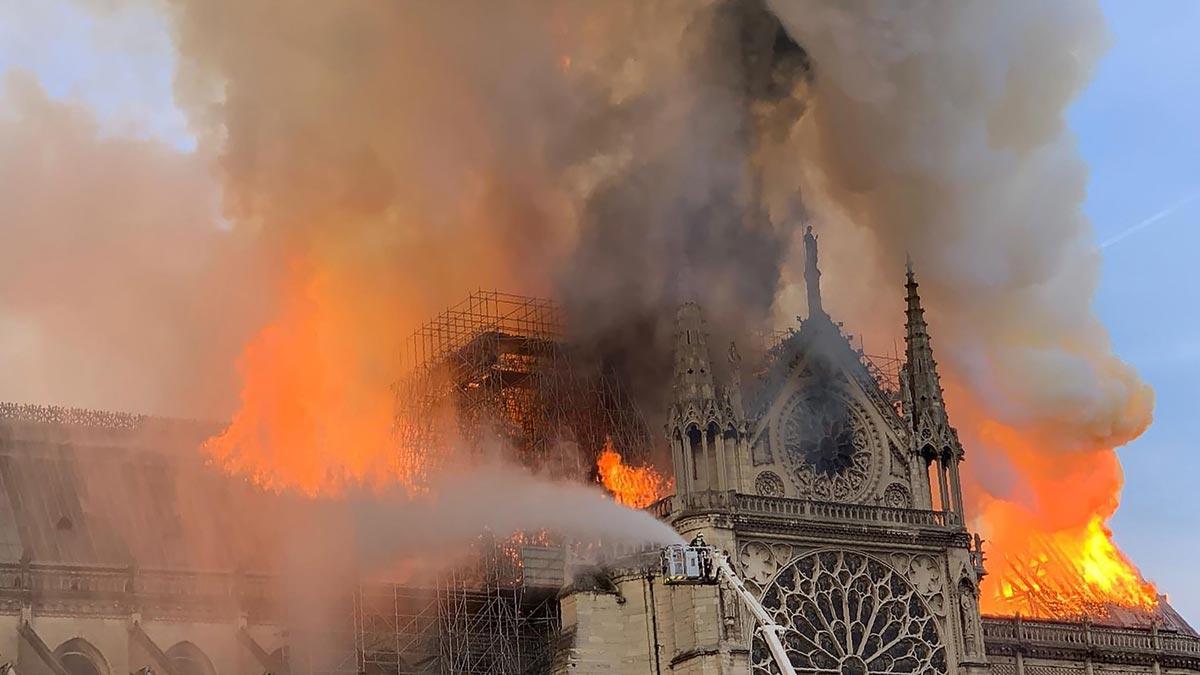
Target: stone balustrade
1087	640
63	584
65	416
803	509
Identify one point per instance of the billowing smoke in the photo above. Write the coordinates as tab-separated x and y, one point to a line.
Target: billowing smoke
623	155
628	155
117	288
598	152
503	500
938	129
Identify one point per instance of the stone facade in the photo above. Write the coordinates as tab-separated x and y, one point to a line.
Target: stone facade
839	504
106	521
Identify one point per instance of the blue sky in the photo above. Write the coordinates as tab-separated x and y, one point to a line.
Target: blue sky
119	61
1136	127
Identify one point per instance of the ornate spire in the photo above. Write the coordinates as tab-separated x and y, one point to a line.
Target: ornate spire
931	425
812	275
702	416
693	370
932	438
687	284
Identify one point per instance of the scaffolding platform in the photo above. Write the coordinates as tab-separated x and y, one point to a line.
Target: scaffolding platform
495	366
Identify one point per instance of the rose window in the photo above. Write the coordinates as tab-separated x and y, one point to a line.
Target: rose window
847	614
827	443
769	484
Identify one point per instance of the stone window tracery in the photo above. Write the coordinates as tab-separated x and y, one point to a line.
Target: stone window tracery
769	484
896	496
829	446
846	613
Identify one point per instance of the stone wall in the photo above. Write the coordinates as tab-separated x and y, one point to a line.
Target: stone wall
121	652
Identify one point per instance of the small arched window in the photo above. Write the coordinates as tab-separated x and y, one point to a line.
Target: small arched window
80	657
188	659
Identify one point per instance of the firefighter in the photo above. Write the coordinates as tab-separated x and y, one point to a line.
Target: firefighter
706	561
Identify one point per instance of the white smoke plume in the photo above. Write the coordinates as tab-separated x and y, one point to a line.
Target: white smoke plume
938	130
504	500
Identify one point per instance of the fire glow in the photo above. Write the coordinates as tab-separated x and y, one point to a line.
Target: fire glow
404	152
311	424
307	425
633	486
1048	584
310	420
1051	554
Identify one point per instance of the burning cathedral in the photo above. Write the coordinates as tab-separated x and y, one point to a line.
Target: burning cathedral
834	498
828	484
840	506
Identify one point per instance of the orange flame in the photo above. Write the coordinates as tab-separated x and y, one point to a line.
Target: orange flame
1074	573
1052	555
316	416
312	417
633	486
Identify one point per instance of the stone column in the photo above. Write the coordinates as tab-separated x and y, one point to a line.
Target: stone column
922	492
956	486
741	454
688	459
722	464
942	487
677	453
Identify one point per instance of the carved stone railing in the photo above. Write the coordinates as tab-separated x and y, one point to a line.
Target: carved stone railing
109	589
661	509
803	509
49	423
62	415
59	579
1086	640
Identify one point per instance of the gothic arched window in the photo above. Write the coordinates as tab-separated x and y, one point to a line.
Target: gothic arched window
188	659
80	657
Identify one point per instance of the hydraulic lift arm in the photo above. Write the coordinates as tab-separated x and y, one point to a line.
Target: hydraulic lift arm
706	565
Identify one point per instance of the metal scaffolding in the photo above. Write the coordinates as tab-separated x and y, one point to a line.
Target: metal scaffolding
496	365
492	621
493	366
496	612
398	629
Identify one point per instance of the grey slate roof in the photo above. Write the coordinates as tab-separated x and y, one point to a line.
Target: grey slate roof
88	488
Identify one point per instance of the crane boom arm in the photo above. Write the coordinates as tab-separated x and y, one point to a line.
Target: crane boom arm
700	564
770	630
